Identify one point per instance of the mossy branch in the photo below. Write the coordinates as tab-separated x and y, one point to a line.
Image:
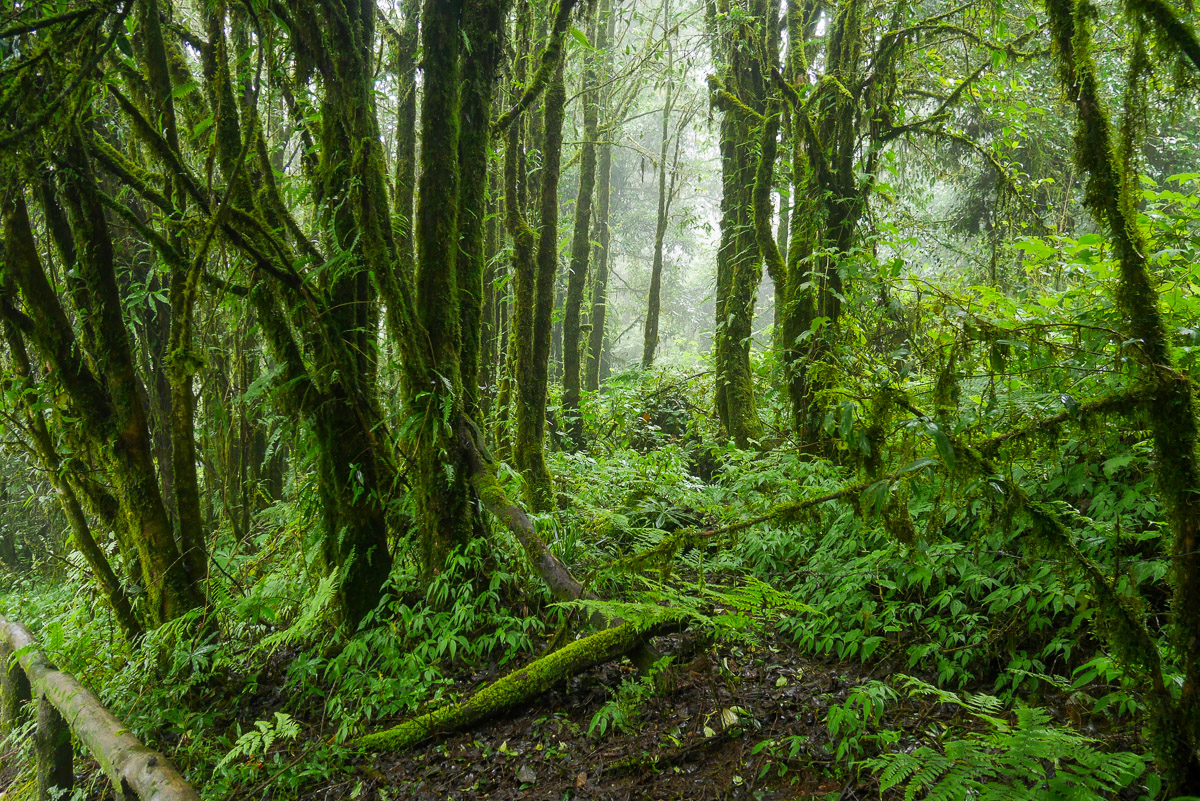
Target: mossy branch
553	572
727	101
550	58
51	108
47	22
1166	21
516	688
1117	403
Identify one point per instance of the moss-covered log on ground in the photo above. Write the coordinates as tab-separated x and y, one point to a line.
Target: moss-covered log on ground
516	688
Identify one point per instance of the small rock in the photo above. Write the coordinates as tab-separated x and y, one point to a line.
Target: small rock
525	774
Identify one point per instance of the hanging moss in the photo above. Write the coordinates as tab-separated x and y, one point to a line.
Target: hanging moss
1177	34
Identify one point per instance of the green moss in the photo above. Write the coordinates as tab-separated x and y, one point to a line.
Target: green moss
514	689
1174	726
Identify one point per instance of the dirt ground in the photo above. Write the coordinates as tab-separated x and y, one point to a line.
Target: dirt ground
723	722
700	737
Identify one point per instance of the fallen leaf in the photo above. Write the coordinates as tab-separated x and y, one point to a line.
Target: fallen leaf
525	774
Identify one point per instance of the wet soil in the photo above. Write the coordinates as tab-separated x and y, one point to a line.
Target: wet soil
733	722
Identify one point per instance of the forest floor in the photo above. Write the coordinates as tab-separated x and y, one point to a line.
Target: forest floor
719	726
715	727
723	721
695	738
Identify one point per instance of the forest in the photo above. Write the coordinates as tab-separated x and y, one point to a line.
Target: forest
599	399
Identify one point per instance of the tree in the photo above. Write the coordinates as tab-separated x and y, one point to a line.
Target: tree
581	238
740	93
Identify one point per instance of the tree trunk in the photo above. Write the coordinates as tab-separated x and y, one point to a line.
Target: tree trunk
654	301
515	689
406	139
534	357
112	415
597	319
739	263
1173	725
580	247
484	24
440	482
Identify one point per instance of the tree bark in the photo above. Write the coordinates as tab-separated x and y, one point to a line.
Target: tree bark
406	139
597	318
580	248
534	358
484	26
739	263
654	299
52	745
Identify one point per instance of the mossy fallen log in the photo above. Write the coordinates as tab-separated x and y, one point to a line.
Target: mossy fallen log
516	688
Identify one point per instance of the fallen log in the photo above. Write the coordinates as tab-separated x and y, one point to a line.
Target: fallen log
516	688
133	769
558	579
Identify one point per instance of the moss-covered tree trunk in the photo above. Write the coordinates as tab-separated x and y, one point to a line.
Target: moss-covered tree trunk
44	449
533	362
598	309
577	272
1110	194
518	687
654	297
441	484
110	409
495	299
351	189
484	26
181	360
405	182
598	315
739	262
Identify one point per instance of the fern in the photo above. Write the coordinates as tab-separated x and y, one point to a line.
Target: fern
1030	758
313	617
257	742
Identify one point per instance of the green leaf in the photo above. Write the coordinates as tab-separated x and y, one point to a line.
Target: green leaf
944	448
581	37
919	464
846	421
122	42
